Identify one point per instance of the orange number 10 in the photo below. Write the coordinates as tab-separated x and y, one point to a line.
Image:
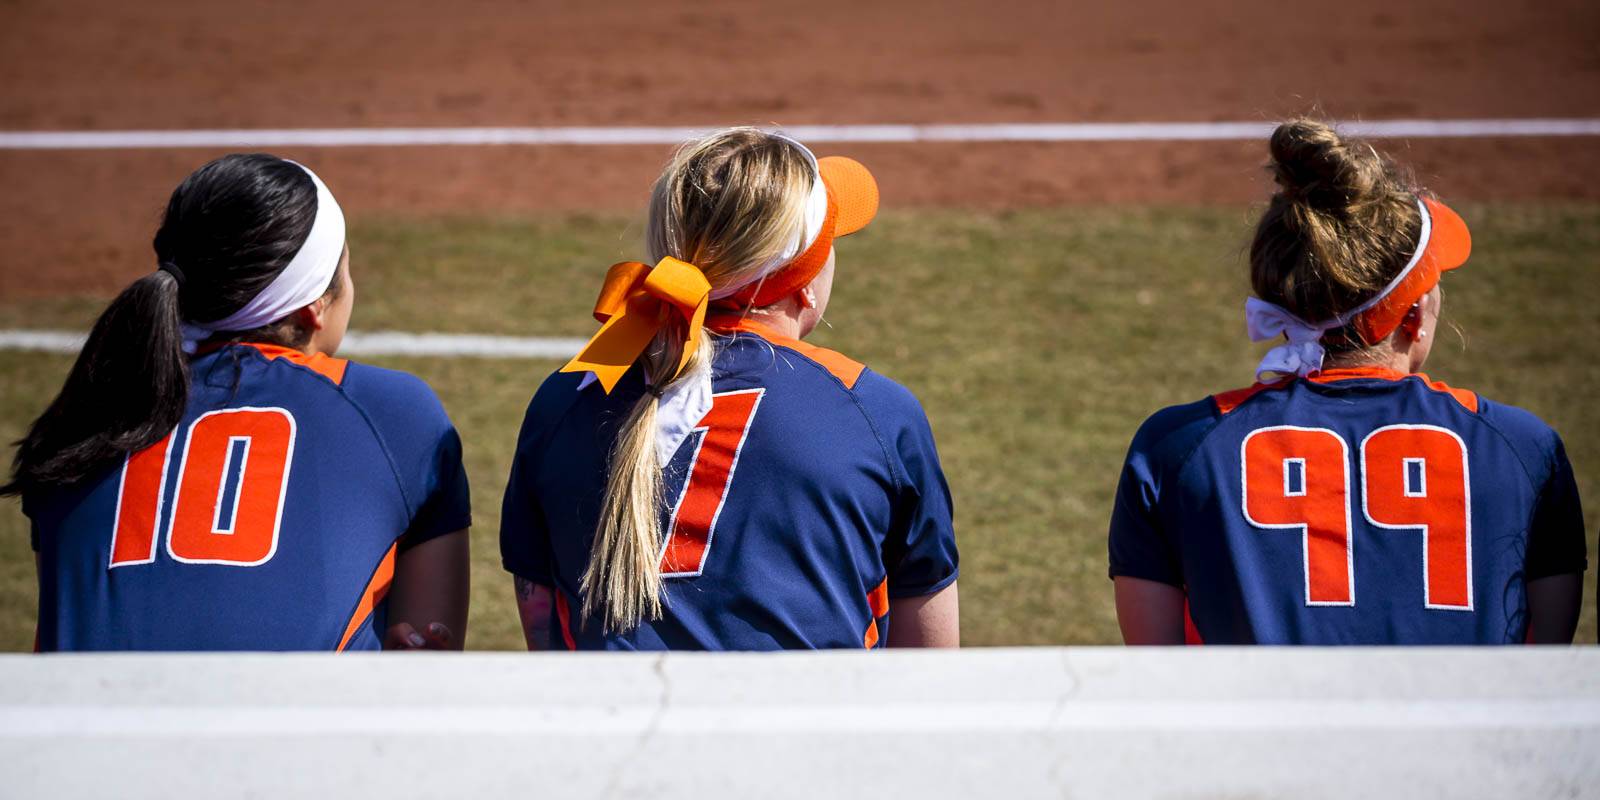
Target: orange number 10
227	507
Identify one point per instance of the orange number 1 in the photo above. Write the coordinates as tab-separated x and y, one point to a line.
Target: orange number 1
694	520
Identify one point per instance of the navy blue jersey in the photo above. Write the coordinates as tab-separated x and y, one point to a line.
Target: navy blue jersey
1360	506
269	519
807	498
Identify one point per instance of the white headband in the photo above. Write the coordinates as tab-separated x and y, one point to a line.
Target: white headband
298	285
816	215
1302	355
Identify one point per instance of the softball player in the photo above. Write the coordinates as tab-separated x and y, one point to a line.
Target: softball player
1346	498
699	477
212	478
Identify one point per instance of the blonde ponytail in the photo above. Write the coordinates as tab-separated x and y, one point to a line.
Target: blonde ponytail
622	583
728	204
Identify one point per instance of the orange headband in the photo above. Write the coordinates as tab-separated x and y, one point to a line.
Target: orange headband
795	275
852	203
635	302
1444	245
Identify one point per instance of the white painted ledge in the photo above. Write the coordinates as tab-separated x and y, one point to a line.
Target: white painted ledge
1078	722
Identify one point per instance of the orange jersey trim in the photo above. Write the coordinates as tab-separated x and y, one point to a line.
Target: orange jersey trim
1230	400
847	370
878	602
1191	633
564	616
324	365
377	589
878	599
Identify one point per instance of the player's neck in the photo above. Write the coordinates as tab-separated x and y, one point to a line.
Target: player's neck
1385	358
785	319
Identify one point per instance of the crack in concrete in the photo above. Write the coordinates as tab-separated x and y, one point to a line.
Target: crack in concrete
1057	775
651	728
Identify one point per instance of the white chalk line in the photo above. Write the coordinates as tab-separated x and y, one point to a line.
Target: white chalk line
995	132
356	343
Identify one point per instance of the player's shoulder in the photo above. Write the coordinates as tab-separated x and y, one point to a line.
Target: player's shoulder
557	395
1176	430
1524	431
751	344
559	391
1515	421
394	399
882	398
882	394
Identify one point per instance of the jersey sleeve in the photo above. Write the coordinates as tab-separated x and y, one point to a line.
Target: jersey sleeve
524	533
1557	542
920	551
1139	542
424	445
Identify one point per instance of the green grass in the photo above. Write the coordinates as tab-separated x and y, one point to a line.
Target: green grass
1038	341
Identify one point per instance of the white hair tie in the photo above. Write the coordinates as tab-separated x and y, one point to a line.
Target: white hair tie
1301	355
305	279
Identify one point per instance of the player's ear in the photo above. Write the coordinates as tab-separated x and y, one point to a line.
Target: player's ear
1411	324
806	297
313	317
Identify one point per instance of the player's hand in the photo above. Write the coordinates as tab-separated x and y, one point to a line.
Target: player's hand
402	636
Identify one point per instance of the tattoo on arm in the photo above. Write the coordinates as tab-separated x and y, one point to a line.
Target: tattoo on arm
535	612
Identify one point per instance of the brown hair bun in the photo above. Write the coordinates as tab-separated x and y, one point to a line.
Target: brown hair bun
1314	165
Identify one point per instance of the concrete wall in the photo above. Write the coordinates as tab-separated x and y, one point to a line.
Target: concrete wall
1058	722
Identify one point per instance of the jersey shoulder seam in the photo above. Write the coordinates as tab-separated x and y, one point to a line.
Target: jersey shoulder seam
849	391
344	394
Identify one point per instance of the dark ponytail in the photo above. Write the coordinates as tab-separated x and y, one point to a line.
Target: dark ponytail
229	229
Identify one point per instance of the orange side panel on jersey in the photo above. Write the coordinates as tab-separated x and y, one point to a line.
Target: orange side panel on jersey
326	366
878	598
564	616
1191	634
377	589
878	601
845	369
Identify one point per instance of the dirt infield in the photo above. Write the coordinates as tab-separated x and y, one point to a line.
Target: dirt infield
80	221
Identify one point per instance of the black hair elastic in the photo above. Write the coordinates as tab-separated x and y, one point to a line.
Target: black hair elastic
173	270
655	390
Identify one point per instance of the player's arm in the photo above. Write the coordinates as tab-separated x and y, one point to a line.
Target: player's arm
1553	606
533	606
428	599
1557	555
932	620
1149	612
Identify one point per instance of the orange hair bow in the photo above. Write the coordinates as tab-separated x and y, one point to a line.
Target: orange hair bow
635	302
